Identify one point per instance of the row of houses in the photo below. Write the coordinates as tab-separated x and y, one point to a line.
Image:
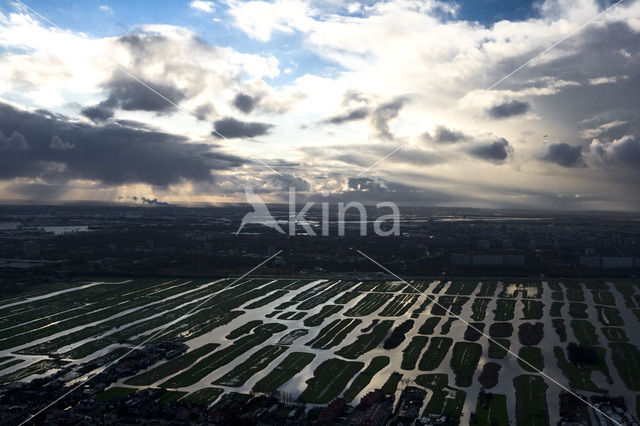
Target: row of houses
588	262
487	260
610	262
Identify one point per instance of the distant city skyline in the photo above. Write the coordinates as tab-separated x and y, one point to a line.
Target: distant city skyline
427	102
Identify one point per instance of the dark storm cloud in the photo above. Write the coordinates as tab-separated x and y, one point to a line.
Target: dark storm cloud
112	154
203	112
154	202
354	96
625	150
98	113
354	115
496	151
60	145
245	103
508	109
15	142
140	44
562	154
130	95
383	114
231	128
445	135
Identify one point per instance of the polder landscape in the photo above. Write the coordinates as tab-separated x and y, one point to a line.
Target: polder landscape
304	351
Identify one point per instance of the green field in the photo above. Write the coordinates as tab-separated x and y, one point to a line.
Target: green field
283	372
464	362
38	367
445	399
324	297
465	288
325	312
491	410
487	289
530	333
532	309
531	359
435	353
579	379
449	304
446	327
399	305
6	364
556	309
292	315
575	295
613	334
559	328
334	333
578	310
115	392
216	360
268	299
254	364
171	367
531	404
439	286
391	385
626	359
238	341
505	310
429	325
603	297
366	342
585	332
363	379
489	376
498	348
204	396
243	329
609	316
411	353
329	380
369	304
479	308
501	329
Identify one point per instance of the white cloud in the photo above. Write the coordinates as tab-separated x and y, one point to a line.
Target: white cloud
607	80
354	7
260	19
597	131
391	49
202	6
106	9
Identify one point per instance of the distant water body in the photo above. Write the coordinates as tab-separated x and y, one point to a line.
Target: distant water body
59	230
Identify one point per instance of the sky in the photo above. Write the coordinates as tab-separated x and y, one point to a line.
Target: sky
470	103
